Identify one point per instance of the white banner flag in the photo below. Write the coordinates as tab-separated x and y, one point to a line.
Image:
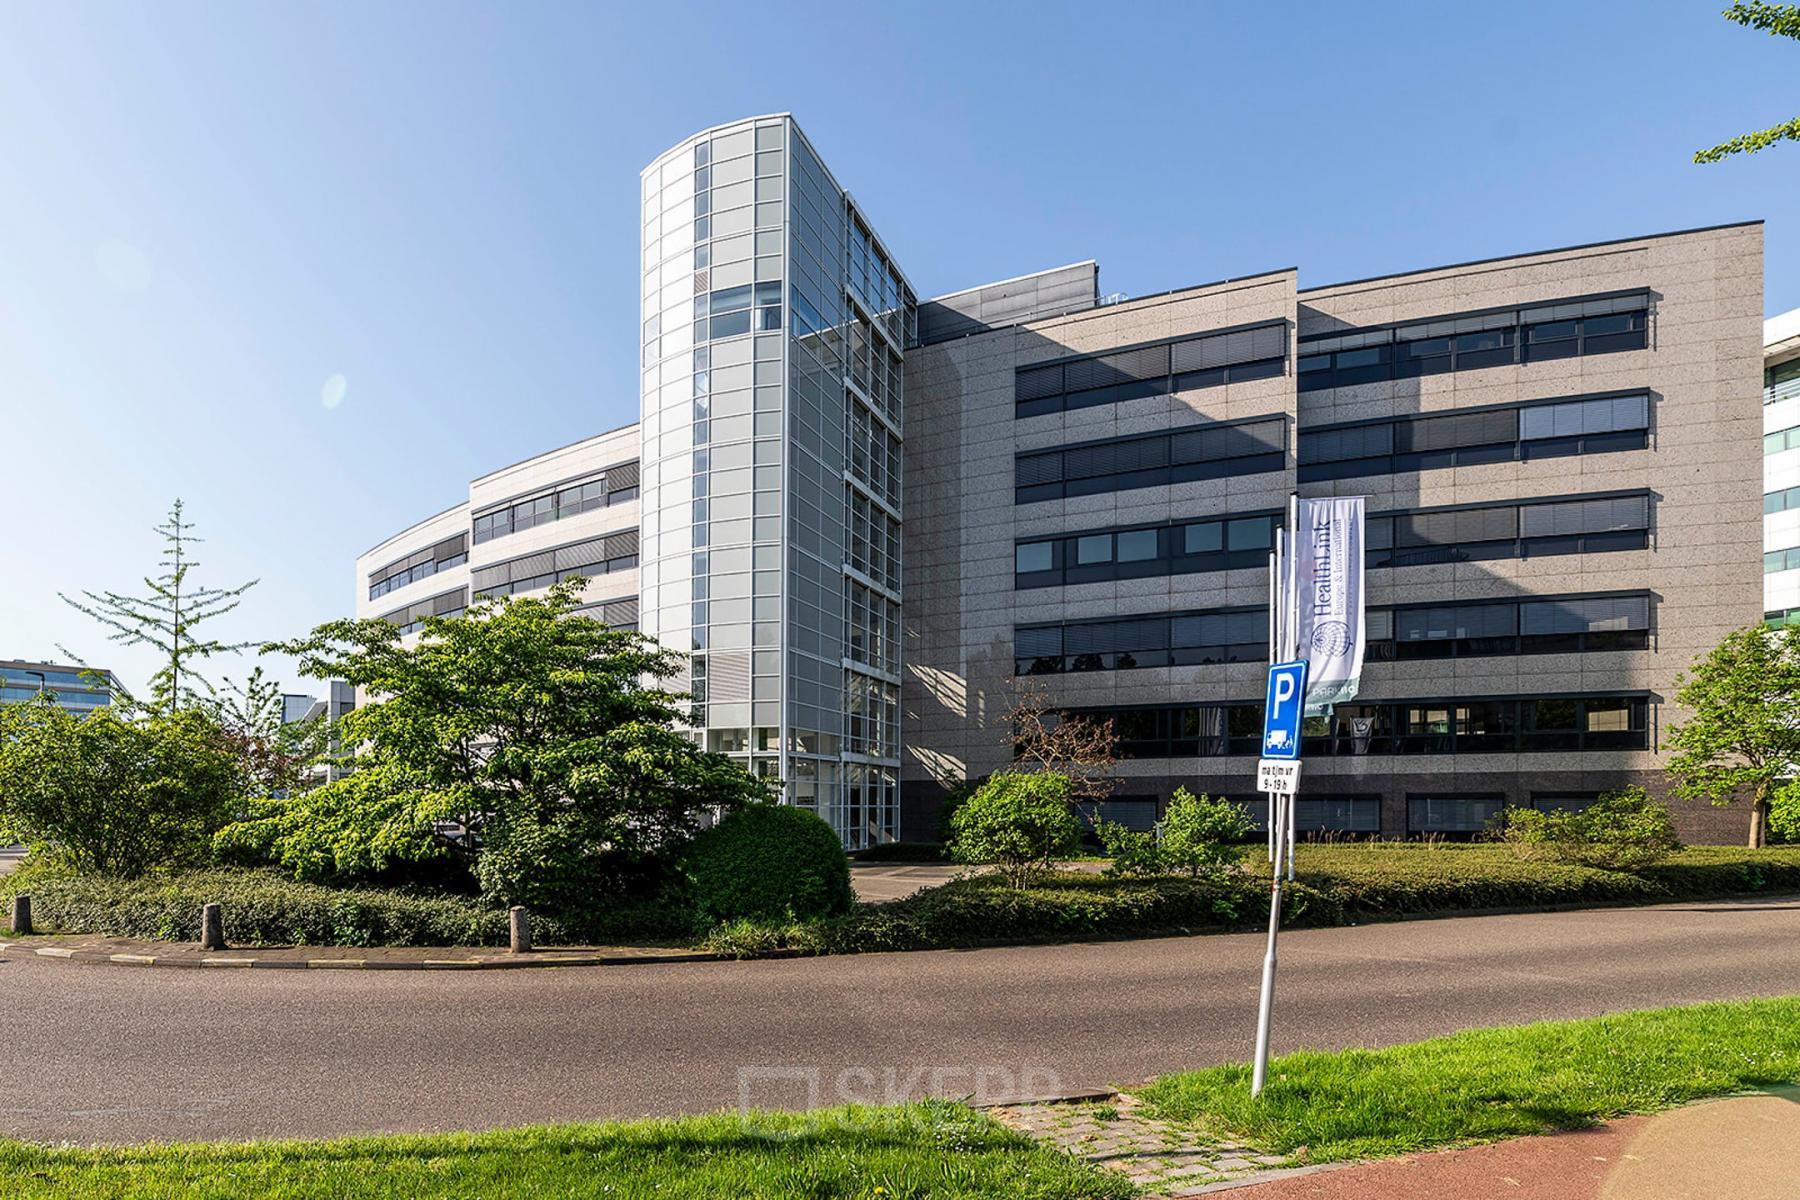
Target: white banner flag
1327	553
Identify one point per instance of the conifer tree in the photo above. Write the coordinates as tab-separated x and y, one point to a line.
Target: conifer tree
167	617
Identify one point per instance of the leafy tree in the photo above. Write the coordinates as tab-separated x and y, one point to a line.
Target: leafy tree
369	825
1743	734
1134	852
274	754
1081	749
1784	812
521	738
1021	822
1197	833
166	618
109	795
1621	831
1777	20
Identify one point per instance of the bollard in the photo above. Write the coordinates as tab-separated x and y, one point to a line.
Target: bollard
521	930
212	928
21	913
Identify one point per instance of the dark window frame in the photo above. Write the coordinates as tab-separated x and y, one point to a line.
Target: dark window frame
1498	343
1518	447
1179	730
1172	557
1146	460
1145	369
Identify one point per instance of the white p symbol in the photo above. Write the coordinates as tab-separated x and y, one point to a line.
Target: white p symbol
1284	689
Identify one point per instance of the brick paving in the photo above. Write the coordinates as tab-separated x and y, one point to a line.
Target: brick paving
1163	1159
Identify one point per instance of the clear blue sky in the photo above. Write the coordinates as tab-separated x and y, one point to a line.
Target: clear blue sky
209	211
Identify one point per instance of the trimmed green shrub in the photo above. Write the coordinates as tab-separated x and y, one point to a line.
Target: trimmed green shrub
767	861
1198	833
1337	885
259	907
1019	822
1620	831
266	908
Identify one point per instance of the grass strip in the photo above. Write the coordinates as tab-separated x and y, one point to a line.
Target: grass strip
1485	1084
904	1152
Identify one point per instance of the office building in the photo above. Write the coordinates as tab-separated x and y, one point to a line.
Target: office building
867	518
79	690
1781	469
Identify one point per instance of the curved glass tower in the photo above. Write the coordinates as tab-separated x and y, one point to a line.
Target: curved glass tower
774	324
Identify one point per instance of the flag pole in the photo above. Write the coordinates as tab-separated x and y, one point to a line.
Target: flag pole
1292	649
1275	643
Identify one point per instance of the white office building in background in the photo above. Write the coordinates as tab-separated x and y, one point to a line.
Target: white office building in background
1781	469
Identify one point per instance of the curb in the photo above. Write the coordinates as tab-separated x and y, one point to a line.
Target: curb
537	960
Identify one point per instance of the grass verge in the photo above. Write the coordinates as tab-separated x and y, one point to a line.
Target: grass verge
1487	1084
914	1151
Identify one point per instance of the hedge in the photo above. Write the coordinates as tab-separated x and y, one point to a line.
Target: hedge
1336	886
269	908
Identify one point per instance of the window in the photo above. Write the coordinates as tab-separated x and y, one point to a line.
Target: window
1563	801
1095	548
1562	625
1229	356
1092	557
1461	342
412	618
595	556
1204	538
615	485
1453	815
1139	545
1783	439
1203	452
1781	560
1032	557
1138	642
1781	501
1497	725
1781	381
1583	525
422	564
1581	426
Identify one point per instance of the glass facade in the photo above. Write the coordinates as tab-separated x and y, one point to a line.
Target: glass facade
772	408
75	689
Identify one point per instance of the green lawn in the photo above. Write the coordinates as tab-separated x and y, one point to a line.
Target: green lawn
1487	1084
931	1149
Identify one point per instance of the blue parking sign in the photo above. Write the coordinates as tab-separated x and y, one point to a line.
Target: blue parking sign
1282	707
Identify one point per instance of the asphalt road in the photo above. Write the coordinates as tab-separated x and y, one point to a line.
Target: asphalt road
101	1053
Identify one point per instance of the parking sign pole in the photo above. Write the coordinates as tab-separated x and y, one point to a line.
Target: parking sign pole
1278	777
1265	1006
